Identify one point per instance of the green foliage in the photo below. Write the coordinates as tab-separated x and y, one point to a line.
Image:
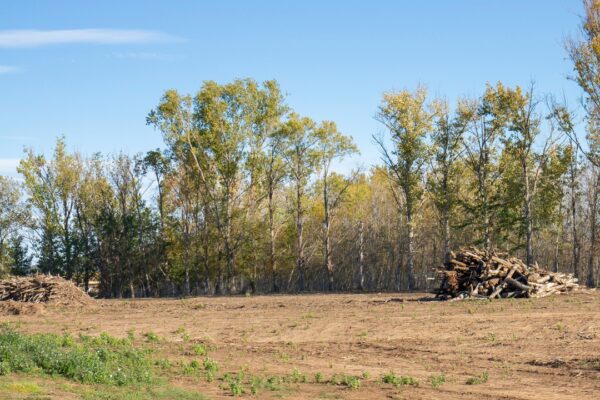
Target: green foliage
295	377
245	191
163	364
405	116
20	258
437	380
210	365
351	381
152	337
401	380
199	350
273	383
192	367
104	359
14	216
478	380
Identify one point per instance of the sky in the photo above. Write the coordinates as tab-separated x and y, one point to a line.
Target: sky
91	71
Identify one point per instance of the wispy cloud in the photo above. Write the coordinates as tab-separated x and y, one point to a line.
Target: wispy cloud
35	38
7	69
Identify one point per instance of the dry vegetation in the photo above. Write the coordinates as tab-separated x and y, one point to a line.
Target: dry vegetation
351	346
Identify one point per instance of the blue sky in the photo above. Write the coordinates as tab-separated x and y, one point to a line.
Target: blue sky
91	71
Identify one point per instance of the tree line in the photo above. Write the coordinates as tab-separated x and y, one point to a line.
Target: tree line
244	195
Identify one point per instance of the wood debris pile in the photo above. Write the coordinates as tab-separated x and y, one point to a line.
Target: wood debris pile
473	273
43	289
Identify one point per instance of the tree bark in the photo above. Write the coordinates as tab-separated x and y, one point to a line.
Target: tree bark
327	222
361	256
590	281
410	256
576	246
272	260
300	239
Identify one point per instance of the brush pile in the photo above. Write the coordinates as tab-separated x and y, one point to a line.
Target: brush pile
473	273
43	289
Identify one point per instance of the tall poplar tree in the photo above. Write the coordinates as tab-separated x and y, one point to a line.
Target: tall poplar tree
408	121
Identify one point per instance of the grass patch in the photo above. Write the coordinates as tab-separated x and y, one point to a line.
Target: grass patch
103	359
16	387
154	393
20	388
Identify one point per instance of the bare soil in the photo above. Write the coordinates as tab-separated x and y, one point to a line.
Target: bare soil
530	348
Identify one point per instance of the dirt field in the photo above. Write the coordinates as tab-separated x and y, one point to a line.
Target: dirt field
530	349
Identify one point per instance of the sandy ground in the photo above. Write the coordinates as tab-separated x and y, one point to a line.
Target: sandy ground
531	349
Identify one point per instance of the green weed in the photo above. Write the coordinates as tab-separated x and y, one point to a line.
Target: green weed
104	359
395	380
478	380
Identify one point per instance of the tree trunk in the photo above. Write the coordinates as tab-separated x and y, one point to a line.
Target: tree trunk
557	242
446	236
300	232
574	233
591	282
361	256
272	261
410	256
527	216
327	222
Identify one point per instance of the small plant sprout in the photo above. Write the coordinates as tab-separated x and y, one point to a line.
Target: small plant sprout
478	380
437	380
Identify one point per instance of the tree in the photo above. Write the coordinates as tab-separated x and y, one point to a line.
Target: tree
518	111
19	257
332	146
585	55
52	187
301	140
481	145
408	121
14	216
222	133
270	112
446	139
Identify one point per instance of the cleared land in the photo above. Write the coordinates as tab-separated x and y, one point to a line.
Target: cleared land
507	349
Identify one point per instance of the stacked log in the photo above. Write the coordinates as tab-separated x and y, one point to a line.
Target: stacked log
473	273
43	289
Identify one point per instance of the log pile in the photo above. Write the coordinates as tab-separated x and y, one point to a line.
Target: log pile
43	289
473	273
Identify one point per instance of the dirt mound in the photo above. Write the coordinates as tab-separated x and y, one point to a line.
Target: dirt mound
43	289
473	273
11	307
